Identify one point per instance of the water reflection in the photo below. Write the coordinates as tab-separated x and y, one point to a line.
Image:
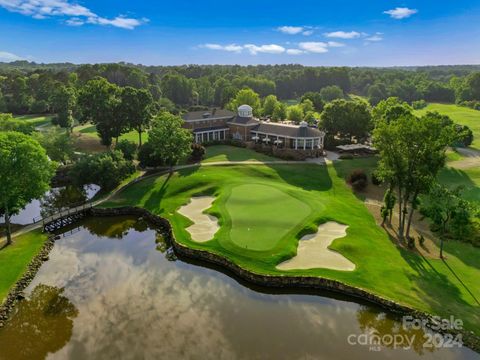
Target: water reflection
133	303
53	201
42	324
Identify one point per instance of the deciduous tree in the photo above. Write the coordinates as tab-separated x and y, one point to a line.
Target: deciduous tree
25	173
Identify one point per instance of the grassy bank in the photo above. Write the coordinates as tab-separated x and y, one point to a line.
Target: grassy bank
434	286
15	258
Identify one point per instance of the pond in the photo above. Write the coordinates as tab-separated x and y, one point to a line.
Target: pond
53	201
111	289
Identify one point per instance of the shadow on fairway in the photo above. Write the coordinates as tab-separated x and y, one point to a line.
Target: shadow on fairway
307	177
454	177
429	280
155	199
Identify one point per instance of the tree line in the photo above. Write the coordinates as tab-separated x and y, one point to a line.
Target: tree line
33	88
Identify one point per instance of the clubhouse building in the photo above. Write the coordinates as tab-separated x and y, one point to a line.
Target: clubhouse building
219	124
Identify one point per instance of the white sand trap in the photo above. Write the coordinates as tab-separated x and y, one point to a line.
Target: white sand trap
313	251
204	225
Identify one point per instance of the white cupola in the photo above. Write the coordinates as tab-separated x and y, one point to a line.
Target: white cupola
245	111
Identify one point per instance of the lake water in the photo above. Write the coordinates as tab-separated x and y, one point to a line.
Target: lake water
52	202
110	292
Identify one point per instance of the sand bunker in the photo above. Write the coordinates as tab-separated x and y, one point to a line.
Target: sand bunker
313	250
204	225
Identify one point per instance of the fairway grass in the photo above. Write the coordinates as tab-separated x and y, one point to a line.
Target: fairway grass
36	120
233	153
15	258
460	115
381	267
277	214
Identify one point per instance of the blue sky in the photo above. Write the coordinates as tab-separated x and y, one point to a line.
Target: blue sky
352	33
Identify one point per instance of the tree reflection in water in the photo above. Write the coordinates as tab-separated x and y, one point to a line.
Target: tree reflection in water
114	227
41	324
381	323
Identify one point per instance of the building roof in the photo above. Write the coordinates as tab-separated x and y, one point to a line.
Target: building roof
212	128
208	114
242	120
245	107
292	131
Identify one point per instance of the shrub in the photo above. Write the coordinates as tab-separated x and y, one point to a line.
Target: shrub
419	104
128	148
411	243
147	158
464	136
198	152
39	107
104	169
358	179
346	156
376	180
421	240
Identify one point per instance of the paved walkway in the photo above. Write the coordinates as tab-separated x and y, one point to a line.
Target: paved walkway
471	159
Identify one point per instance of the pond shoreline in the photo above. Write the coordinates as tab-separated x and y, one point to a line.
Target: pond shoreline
16	292
470	340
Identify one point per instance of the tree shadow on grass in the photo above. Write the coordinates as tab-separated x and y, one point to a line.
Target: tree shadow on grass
451	177
155	198
307	177
437	290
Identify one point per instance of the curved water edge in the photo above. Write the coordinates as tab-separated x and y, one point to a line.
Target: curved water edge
280	284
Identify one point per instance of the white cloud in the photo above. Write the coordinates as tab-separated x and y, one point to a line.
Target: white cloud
400	12
291	30
316	47
307	47
7	57
335	44
377	37
295	30
231	47
77	14
269	49
295	52
343	34
251	48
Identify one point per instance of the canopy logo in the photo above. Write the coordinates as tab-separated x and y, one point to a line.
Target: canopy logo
414	333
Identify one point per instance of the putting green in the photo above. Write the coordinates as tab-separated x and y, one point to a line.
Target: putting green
262	215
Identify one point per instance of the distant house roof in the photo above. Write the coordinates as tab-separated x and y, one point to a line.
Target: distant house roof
242	120
292	131
208	115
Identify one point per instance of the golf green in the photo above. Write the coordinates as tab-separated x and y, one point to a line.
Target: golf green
262	215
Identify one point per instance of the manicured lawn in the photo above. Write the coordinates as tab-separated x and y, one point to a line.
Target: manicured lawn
233	153
381	267
36	120
468	178
15	258
461	115
90	130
